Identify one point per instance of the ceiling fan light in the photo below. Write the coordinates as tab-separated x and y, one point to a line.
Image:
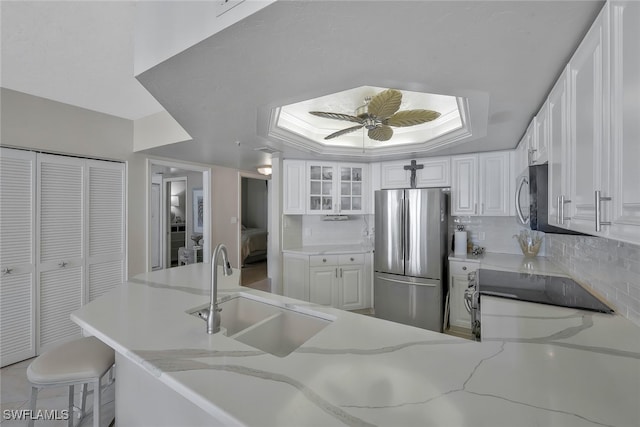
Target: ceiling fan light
264	170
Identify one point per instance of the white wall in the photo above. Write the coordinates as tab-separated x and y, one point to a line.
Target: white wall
224	211
41	124
156	130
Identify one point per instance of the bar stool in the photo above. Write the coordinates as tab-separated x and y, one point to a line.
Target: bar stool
82	361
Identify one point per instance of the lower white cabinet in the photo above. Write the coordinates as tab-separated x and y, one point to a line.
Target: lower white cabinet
339	281
459	271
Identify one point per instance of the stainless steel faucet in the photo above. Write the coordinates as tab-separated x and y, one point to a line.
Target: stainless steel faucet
213	315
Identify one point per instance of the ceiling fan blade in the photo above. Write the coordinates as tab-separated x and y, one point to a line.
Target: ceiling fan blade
337	116
411	117
381	133
343	131
385	103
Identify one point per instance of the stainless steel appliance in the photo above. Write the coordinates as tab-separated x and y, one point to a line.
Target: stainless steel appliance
552	290
532	204
410	249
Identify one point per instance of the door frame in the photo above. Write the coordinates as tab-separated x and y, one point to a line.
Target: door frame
166	213
245	174
206	195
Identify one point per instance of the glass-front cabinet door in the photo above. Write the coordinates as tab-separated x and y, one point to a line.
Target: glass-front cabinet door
351	191
321	192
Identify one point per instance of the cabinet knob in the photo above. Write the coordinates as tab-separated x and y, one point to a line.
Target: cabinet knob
324	260
464	268
351	259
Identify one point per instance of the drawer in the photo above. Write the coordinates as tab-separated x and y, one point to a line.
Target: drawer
320	260
458	268
346	259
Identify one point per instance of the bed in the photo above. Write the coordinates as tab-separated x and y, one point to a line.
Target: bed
253	245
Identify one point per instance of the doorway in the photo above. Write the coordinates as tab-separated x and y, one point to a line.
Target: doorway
254	194
179	214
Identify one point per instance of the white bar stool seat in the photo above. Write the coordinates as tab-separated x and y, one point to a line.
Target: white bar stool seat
82	361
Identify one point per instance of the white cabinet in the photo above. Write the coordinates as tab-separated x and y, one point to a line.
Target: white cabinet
335	188
17	256
588	128
539	150
464	185
459	280
324	188
295	278
294	183
558	131
528	142
339	281
625	121
435	172
481	184
323	280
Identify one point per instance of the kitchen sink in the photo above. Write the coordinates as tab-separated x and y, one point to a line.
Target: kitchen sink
274	329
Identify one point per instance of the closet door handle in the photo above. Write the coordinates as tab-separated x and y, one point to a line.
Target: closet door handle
62	264
7	270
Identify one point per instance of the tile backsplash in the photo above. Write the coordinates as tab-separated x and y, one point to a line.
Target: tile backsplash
315	231
611	268
494	233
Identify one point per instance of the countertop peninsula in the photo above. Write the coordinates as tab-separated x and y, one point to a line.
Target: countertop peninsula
537	365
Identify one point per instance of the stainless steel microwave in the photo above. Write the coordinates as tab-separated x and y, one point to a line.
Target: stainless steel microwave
532	200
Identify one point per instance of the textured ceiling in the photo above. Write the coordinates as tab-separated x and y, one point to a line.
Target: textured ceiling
223	89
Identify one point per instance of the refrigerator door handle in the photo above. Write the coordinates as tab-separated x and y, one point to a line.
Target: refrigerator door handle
407	230
405	282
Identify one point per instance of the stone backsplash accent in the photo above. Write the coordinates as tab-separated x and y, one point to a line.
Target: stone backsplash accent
611	268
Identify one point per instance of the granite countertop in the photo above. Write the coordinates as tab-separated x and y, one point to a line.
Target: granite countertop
329	249
537	365
511	262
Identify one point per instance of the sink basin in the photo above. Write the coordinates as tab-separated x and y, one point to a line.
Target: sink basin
274	329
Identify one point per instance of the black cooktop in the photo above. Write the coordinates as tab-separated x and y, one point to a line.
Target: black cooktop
552	290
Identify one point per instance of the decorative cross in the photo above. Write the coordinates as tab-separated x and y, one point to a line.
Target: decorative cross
413	167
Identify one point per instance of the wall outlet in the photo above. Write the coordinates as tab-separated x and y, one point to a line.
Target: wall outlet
481	236
234	220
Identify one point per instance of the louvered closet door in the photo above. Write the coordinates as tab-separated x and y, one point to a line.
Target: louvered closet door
60	254
17	256
105	227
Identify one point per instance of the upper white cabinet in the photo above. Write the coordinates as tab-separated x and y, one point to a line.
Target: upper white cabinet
625	121
481	184
540	141
594	129
324	188
588	128
435	172
558	126
294	187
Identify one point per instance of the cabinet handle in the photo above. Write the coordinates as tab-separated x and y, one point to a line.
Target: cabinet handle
340	272
475	208
599	199
563	202
336	272
464	268
482	208
7	270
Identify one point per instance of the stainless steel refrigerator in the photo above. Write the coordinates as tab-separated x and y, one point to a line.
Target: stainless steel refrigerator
410	250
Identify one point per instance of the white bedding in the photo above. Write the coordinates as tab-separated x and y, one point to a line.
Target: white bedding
253	240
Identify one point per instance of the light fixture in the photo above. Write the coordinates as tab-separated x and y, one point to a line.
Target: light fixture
264	169
175	201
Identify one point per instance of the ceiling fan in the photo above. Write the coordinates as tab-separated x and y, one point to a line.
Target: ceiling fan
378	114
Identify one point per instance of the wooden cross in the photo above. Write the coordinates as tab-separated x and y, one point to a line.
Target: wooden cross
413	167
